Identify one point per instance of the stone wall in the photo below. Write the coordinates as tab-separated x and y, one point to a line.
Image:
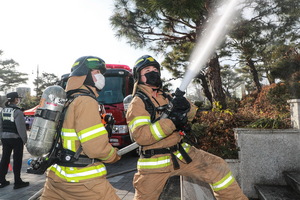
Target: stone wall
264	155
295	112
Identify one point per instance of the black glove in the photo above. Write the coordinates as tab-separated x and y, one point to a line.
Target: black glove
109	122
179	119
180	104
180	108
109	119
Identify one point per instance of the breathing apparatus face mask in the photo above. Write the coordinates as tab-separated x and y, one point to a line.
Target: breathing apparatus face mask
153	78
100	81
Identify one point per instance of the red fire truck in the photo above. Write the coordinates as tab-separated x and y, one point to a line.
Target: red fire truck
118	84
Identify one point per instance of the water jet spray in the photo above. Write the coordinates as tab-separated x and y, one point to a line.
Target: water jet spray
213	36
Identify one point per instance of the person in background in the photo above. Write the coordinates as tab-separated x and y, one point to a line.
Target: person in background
13	137
162	152
82	132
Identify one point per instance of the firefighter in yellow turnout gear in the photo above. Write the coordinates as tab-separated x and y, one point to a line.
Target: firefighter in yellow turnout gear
163	154
82	128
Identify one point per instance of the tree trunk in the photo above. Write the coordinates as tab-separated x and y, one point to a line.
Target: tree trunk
254	74
205	87
270	78
214	78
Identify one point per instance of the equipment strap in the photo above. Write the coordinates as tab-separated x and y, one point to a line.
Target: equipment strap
81	162
148	104
58	151
151	152
175	162
58	154
150	107
47	114
184	154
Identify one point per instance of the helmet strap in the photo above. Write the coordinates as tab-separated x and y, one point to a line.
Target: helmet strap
88	87
89	80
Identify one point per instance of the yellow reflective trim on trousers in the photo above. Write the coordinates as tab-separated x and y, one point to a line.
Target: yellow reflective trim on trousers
138	121
153	163
223	183
186	147
91	132
109	155
74	174
157	132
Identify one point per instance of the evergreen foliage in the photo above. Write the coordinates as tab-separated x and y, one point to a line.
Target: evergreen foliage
9	76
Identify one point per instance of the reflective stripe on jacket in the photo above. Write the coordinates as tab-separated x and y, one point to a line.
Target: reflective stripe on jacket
82	126
155	128
160	134
70	136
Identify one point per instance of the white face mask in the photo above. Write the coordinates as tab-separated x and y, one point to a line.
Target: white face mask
100	81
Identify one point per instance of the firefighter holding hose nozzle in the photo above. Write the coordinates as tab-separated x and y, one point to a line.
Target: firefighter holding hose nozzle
156	121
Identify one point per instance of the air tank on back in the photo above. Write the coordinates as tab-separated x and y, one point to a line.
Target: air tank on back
45	121
126	101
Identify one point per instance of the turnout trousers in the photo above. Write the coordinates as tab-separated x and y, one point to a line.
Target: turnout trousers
94	189
206	167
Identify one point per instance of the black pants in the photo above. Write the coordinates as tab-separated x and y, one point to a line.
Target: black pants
9	145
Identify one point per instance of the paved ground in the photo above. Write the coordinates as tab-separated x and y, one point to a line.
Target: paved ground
120	175
121	181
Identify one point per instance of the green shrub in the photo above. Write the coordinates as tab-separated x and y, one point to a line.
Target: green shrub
214	133
213	129
294	90
269	123
278	97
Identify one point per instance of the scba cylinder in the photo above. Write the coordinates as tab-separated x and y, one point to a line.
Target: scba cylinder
45	121
126	101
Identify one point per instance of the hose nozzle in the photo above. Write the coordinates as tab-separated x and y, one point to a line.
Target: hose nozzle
179	93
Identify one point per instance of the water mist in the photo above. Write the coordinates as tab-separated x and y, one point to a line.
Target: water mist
212	37
205	47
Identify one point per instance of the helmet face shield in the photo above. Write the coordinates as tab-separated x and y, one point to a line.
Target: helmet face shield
84	65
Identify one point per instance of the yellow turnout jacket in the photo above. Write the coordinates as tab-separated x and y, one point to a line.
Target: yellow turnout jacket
160	134
82	126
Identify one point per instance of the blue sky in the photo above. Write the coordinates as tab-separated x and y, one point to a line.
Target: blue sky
53	34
